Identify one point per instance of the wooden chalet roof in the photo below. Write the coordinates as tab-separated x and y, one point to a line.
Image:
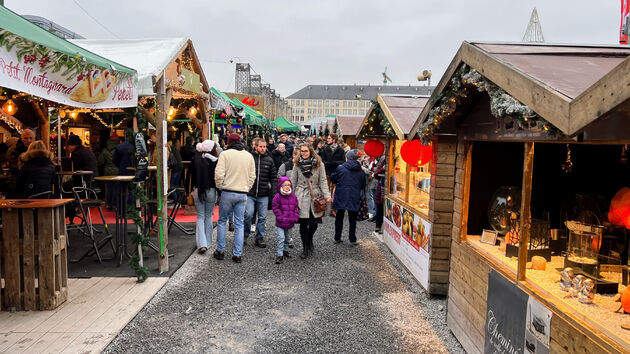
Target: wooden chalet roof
349	125
571	86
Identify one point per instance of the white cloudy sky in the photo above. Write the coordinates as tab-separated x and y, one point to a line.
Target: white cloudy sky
292	43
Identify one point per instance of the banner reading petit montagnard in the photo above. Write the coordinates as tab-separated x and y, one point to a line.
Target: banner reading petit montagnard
67	80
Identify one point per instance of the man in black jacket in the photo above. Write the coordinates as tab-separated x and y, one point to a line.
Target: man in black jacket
83	159
263	189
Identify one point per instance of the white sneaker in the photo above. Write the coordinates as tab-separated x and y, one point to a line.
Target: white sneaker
253	228
370	214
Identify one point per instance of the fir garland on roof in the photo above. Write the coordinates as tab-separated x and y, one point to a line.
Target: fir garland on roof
376	115
502	104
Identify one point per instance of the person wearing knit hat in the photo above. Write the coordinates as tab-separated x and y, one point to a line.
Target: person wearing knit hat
204	192
349	180
234	175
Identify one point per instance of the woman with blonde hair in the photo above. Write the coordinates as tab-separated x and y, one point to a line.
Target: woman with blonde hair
37	172
309	181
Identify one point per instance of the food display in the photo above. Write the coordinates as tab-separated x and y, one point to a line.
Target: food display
408	227
396	215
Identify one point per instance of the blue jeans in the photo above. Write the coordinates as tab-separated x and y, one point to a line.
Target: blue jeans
175	177
261	204
371	193
284	235
204	217
231	202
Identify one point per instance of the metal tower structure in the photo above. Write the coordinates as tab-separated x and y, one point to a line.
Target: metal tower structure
242	78
534	33
256	85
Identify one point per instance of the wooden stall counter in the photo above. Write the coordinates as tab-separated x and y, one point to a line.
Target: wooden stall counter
34	254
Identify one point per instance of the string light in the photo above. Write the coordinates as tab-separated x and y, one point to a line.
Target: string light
192	111
100	120
74	114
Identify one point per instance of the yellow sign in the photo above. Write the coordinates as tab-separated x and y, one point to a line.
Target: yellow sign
191	81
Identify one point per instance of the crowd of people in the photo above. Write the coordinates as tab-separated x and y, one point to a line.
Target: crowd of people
296	178
289	176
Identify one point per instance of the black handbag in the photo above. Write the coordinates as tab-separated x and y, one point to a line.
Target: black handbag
364	212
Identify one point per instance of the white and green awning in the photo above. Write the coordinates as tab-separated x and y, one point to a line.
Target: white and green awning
35	61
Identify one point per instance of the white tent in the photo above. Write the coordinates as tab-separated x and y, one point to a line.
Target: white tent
148	56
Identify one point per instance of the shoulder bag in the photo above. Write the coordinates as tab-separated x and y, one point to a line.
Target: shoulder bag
319	204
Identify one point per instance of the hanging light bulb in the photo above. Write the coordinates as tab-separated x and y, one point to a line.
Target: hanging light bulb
74	114
192	111
171	111
10	107
62	113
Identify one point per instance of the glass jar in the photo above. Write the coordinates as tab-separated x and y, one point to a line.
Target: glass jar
583	247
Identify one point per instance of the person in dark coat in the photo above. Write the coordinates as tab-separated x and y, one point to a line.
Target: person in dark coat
349	179
280	155
176	166
122	157
37	174
187	152
285	207
83	159
261	191
271	145
288	145
332	154
205	192
106	160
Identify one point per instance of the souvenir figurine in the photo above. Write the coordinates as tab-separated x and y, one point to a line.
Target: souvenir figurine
577	286
566	281
587	293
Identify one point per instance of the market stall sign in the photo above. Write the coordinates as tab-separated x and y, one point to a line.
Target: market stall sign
35	61
190	81
515	322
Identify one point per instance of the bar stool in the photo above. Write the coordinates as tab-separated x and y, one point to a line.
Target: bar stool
87	199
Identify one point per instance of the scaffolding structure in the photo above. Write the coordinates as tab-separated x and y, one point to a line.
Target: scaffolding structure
249	83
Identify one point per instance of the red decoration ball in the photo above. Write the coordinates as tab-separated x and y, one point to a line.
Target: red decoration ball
416	154
222	115
374	148
239	120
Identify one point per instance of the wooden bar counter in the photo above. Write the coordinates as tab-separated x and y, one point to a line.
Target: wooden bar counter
34	254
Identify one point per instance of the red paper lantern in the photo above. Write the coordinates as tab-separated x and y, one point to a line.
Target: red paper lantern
416	154
374	148
619	213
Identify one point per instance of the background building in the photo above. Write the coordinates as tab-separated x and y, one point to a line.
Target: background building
322	100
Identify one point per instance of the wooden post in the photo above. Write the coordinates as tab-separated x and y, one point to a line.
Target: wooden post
466	192
205	132
160	145
526	196
44	123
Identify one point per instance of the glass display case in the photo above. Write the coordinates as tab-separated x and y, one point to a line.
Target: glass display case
398	176
419	187
410	184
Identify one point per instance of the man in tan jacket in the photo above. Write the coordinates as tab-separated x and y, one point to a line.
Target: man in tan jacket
234	176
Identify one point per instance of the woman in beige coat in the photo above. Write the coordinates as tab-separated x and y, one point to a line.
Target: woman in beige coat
308	165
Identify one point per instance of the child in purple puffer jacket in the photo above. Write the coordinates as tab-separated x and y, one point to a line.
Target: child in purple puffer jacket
285	207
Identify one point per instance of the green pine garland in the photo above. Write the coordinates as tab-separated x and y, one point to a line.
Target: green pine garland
377	115
133	213
502	104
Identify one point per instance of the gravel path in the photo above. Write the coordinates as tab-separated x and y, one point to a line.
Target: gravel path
343	299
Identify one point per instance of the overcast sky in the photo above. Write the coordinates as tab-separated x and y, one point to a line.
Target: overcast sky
295	43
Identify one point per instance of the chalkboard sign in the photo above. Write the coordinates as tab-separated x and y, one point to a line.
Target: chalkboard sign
506	315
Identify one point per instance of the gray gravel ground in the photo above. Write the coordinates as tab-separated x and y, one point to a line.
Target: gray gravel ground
343	299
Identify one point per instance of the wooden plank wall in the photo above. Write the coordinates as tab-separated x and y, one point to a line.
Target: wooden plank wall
441	213
468	288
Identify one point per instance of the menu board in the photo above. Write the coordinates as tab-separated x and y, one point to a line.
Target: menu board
408	236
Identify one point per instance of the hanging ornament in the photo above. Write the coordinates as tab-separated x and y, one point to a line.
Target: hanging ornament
416	154
192	111
10	107
62	113
222	115
374	148
238	120
567	166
